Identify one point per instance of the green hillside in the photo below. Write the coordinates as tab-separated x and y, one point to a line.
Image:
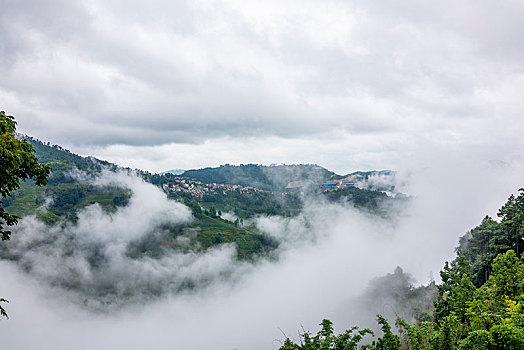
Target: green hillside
271	178
66	195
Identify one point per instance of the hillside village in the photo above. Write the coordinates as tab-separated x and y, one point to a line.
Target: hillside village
199	189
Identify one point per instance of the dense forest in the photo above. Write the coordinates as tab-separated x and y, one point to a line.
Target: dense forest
478	305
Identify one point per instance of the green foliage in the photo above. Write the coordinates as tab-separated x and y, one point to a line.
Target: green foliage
508	276
69	195
466	317
507	337
483	243
249	243
246	205
447	336
455	291
478	340
484	312
480	246
360	198
512	222
388	341
351	339
17	162
62	161
325	339
271	178
415	336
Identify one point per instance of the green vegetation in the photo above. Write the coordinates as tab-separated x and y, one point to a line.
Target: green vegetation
70	189
479	304
213	231
271	178
62	161
325	339
483	243
247	205
66	195
374	201
17	162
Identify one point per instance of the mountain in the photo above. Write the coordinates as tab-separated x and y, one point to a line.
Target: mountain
271	178
70	189
258	190
68	193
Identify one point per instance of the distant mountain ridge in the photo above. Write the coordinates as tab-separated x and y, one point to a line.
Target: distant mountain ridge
272	177
266	177
68	191
284	176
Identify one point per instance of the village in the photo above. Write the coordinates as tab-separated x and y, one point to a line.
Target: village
199	189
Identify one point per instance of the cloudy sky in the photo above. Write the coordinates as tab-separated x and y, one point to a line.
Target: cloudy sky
345	84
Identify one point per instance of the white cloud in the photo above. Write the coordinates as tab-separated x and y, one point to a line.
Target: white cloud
328	254
179	73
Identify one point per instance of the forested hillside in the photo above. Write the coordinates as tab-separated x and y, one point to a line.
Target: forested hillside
479	304
70	189
222	218
64	187
271	178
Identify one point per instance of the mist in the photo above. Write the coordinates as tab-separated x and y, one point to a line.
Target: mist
327	256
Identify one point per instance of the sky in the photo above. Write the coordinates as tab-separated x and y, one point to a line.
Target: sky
349	85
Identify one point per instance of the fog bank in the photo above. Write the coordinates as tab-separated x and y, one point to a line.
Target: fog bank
327	256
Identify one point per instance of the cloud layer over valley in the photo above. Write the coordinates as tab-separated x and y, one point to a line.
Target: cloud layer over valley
327	255
121	257
430	90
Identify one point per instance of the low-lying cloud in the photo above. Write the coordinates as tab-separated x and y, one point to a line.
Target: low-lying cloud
328	254
99	259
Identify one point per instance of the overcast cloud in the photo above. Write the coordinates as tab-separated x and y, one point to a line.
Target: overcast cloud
176	84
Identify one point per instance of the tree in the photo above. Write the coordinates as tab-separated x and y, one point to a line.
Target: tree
455	291
480	246
17	162
507	277
512	221
327	340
